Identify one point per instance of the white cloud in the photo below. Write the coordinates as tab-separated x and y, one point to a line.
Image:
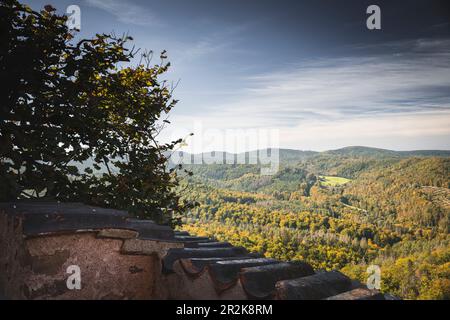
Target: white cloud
126	11
399	100
209	44
400	132
420	130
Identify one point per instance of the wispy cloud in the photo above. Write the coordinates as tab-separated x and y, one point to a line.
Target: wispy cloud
126	11
211	43
335	88
203	47
351	87
402	95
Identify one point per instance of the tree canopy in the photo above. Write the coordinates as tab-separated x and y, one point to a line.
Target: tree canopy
390	211
66	103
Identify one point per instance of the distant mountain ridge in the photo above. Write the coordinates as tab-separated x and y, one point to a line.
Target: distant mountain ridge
288	156
368	151
285	155
292	155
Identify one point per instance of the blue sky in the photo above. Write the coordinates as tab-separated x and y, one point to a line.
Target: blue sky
310	69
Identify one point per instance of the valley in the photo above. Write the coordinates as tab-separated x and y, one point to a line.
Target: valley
344	209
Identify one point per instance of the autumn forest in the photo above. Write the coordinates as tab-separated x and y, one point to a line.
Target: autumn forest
344	209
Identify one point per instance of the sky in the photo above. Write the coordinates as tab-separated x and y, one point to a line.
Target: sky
310	71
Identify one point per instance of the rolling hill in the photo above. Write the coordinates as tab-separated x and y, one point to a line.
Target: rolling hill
339	209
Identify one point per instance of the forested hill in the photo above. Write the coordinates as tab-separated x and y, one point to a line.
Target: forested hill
290	156
383	153
343	209
347	162
285	155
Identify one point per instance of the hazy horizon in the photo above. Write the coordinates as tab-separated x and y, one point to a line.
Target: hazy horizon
325	150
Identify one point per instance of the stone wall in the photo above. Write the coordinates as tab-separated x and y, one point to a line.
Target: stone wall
14	260
113	263
123	258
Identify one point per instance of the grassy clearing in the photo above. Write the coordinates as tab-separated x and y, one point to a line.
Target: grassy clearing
331	181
